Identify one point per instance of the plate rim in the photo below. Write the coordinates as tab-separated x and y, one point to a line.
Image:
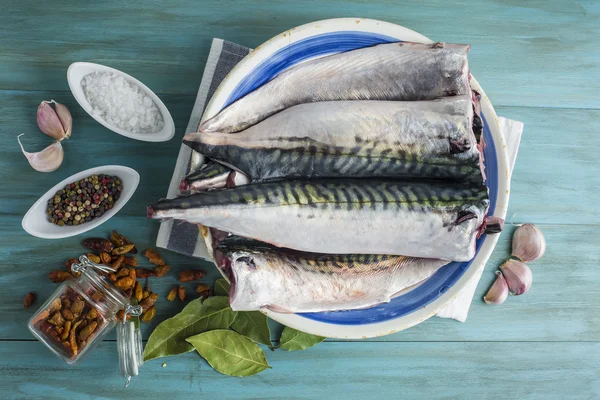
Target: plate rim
376	329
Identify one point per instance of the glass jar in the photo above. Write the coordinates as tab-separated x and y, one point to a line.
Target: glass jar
82	311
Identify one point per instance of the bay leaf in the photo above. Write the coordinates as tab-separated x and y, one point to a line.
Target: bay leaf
254	325
292	339
168	338
221	287
230	353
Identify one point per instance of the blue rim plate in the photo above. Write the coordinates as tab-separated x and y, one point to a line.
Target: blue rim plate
424	300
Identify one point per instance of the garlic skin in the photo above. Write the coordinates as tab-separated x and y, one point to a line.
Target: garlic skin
54	123
528	243
518	276
498	292
47	160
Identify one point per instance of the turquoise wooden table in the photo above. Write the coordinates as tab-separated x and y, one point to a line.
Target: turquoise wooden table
538	62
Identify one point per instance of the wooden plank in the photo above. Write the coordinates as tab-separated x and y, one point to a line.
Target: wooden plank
535	54
551	311
494	370
554	159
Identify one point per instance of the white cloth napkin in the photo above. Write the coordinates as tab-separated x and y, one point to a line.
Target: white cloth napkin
184	238
459	308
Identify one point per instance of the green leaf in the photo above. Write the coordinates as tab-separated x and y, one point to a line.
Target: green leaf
168	338
254	325
292	339
221	287
230	353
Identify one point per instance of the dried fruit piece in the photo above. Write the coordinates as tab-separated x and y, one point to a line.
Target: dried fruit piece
203	290
118	263
88	330
131	261
122	272
60	276
123	249
72	338
29	298
93	258
143	273
98	244
153	256
57	319
181	292
112	277
191	275
66	330
149	301
161	271
124	283
105	258
147	316
138	291
120	240
77	306
172	294
68	314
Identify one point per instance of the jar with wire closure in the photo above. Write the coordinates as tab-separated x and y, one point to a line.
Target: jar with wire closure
82	311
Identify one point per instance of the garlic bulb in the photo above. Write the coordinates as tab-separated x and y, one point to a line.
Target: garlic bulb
47	160
56	123
518	276
498	292
528	243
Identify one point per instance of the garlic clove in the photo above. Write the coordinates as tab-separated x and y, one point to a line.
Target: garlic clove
65	118
528	243
49	120
498	292
518	276
47	160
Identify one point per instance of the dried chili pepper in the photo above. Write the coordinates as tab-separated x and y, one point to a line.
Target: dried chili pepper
123	249
172	294
93	258
60	276
203	290
29	299
131	261
98	244
138	292
149	301
143	273
105	258
161	271
148	315
153	256
191	275
181	292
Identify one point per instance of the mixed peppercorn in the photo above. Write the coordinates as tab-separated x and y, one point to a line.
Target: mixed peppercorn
82	201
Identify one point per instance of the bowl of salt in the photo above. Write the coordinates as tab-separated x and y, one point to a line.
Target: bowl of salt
120	102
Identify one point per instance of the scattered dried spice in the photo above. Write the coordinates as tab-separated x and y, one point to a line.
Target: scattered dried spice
138	292
105	258
143	273
98	244
153	256
60	276
124	283
120	240
123	249
122	272
172	294
203	290
181	292
149	301
148	315
161	271
131	261
191	275
93	258
29	299
118	263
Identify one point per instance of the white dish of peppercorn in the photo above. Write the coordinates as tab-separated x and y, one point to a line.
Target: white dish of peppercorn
81	202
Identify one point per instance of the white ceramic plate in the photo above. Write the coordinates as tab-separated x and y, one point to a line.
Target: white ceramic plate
78	70
36	222
423	301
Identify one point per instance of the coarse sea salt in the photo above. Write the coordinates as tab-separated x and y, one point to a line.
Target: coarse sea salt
121	103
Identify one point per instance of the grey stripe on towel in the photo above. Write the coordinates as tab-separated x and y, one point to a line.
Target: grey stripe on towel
179	236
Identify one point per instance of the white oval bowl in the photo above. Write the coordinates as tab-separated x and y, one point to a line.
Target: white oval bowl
78	70
36	222
371	329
